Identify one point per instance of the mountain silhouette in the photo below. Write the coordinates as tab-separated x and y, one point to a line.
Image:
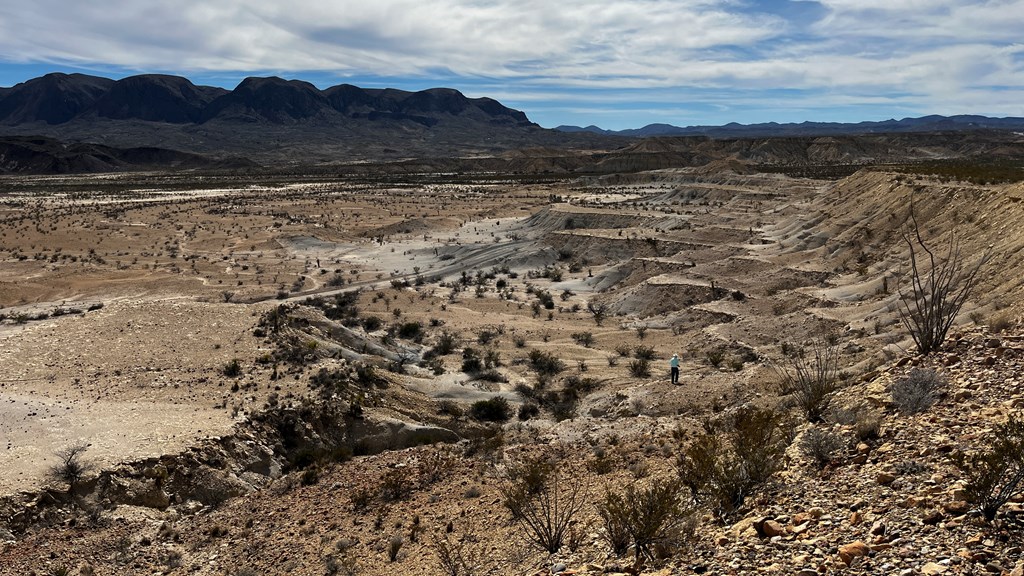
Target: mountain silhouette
54	98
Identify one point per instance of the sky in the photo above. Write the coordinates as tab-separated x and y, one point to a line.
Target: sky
612	63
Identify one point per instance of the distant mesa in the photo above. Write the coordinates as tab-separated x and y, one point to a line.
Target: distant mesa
63	98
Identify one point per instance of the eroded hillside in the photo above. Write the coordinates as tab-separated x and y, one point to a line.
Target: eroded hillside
498	323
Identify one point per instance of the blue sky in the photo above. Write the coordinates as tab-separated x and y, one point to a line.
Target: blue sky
614	63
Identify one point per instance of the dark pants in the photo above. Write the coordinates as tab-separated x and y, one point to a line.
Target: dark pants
675	375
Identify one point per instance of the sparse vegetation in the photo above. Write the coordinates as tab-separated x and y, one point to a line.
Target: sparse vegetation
71	466
935	288
546	513
655	518
723	465
994	474
810	374
821	446
918	390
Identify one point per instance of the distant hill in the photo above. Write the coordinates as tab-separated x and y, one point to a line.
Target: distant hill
932	123
41	155
268	119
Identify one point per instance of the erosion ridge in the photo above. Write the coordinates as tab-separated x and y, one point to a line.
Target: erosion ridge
411	298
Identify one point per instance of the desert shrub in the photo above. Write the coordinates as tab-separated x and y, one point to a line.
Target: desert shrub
372	323
471	361
232	369
531	474
644	353
447	342
994	475
361	498
564	407
486	336
640	368
623	350
866	422
370	375
495	409
580	386
528	410
724	464
395	485
395	546
545	363
811	374
585	339
1001	323
491	375
935	288
715	357
411	330
598	311
918	390
656	518
449	408
546	514
821	446
71	466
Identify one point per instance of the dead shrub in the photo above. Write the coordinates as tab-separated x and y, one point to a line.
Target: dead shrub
918	390
821	446
810	373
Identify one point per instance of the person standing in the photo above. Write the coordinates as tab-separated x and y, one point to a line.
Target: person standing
674	365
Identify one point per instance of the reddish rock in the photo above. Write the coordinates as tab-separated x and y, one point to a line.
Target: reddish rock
848	552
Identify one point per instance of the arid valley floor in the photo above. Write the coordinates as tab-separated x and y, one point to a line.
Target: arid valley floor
283	374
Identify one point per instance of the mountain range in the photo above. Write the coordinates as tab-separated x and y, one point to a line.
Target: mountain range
931	123
62	98
75	122
269	120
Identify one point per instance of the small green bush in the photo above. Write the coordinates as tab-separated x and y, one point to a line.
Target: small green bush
495	409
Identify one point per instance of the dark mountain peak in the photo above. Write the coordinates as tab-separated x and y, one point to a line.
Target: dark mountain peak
273	99
157	98
54	98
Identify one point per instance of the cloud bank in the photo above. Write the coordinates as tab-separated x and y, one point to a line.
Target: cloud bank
683	56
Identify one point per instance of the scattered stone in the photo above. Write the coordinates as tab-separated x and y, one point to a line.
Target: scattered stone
853	550
933	568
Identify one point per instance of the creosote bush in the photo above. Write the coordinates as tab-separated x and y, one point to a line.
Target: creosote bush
724	465
640	368
994	475
655	518
495	409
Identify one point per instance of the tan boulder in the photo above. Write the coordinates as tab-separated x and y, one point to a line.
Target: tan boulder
848	552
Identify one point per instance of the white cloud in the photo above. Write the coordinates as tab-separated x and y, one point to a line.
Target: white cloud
938	52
